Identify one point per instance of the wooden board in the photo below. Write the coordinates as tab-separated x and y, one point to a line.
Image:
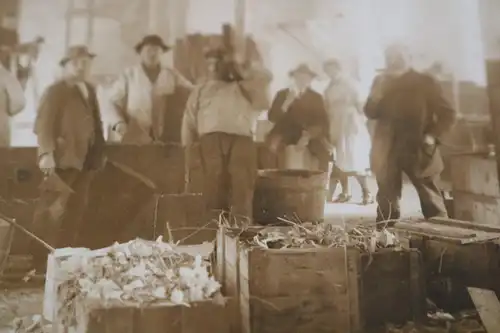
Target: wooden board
280	290
476	208
475	174
488	306
200	317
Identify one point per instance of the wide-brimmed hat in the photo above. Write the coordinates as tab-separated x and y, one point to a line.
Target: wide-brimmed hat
152	40
77	51
215	53
302	69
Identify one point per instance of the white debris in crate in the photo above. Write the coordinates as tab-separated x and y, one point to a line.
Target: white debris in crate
138	272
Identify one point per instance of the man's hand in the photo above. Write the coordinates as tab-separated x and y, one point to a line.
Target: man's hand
120	129
304	139
429	140
47	163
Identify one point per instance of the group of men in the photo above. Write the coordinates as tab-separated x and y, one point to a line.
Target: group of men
218	125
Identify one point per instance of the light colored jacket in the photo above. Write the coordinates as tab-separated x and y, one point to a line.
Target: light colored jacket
141	104
348	128
217	106
11	103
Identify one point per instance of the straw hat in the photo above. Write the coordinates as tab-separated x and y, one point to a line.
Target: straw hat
74	52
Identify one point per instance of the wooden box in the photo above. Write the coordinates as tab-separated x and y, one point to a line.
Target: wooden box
200	317
318	290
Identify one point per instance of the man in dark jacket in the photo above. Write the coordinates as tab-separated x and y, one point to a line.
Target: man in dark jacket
70	146
300	117
411	115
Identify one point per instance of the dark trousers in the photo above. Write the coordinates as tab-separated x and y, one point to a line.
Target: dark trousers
337	176
59	212
230	170
390	184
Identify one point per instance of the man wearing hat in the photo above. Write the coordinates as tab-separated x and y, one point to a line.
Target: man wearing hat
140	95
220	116
70	146
300	120
412	114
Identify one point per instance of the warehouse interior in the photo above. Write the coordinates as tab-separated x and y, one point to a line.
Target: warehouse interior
455	41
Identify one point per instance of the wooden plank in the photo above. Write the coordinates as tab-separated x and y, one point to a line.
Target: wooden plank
465	224
488	306
435	229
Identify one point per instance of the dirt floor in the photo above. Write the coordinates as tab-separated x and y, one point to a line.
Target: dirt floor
352	212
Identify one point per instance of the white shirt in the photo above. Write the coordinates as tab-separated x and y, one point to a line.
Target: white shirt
83	89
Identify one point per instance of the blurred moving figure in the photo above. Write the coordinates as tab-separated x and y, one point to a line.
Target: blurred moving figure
139	96
218	123
11	103
412	114
348	133
300	120
70	147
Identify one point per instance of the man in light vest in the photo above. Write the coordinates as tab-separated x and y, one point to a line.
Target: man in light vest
139	98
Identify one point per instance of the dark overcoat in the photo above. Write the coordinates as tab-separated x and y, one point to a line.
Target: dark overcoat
307	112
69	126
410	107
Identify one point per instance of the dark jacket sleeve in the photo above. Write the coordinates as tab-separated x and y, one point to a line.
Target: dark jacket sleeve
47	118
373	104
443	114
275	112
319	126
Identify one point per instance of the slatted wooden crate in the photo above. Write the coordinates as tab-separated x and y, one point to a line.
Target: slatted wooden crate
476	192
200	317
318	290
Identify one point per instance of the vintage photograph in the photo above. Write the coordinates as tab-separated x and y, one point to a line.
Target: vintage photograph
246	166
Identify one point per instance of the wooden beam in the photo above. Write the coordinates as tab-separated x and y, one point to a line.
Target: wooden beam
239	26
90	22
488	306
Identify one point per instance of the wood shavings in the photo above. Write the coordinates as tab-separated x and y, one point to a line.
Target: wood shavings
306	235
139	272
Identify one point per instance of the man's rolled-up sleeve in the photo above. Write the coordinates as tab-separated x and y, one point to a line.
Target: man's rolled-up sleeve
256	85
15	95
45	122
189	132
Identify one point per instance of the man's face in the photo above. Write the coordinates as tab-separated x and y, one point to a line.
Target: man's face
397	59
302	80
79	67
151	55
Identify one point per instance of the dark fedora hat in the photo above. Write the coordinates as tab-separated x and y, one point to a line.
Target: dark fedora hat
302	69
152	40
77	51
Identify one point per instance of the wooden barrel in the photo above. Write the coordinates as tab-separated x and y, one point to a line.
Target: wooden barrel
296	195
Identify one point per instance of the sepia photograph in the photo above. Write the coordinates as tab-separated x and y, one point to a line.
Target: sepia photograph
248	166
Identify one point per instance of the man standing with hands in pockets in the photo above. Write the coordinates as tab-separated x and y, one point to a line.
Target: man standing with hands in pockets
411	115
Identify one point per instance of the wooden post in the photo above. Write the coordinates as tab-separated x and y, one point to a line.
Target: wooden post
492	53
239	27
68	19
90	22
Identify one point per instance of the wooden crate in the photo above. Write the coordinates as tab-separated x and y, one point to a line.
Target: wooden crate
290	290
476	208
200	317
475	174
318	290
